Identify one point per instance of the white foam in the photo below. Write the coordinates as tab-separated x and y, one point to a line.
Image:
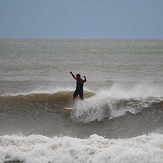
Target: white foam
116	101
90	109
42	149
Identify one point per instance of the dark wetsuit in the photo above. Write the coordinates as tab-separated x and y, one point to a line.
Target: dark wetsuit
79	89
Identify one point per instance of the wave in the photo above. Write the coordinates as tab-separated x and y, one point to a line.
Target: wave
95	149
95	107
57	97
101	112
118	100
102	106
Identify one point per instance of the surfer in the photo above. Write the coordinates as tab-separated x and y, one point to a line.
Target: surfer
79	85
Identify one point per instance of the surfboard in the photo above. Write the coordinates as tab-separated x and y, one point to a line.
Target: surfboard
69	108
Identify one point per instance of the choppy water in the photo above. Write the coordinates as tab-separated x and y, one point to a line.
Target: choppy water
120	118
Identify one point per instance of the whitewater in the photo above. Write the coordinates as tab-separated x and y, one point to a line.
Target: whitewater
119	120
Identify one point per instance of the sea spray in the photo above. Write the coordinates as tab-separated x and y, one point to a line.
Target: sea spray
116	101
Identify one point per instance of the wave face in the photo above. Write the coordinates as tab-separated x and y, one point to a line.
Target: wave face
38	101
116	112
95	149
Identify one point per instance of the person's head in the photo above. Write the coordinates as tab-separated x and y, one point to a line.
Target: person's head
78	76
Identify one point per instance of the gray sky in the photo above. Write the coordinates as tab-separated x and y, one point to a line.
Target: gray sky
81	19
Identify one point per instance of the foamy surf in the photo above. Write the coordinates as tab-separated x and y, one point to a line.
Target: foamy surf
117	101
95	149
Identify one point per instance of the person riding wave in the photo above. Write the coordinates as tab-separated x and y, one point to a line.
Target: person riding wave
79	85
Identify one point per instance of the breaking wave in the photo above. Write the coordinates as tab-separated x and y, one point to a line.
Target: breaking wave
119	100
114	112
98	108
95	149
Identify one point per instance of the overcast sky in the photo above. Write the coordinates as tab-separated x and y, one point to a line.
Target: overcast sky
81	19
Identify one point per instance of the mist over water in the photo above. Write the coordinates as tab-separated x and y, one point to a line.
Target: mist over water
120	118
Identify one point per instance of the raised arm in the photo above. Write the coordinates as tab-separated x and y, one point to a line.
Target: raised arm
85	79
73	75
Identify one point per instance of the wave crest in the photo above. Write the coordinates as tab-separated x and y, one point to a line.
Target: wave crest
60	96
101	106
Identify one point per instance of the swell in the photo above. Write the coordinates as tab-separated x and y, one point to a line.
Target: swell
60	97
93	108
43	113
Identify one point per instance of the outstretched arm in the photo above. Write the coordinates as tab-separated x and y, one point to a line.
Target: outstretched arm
73	75
85	79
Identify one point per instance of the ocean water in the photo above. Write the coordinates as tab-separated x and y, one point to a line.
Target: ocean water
119	120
